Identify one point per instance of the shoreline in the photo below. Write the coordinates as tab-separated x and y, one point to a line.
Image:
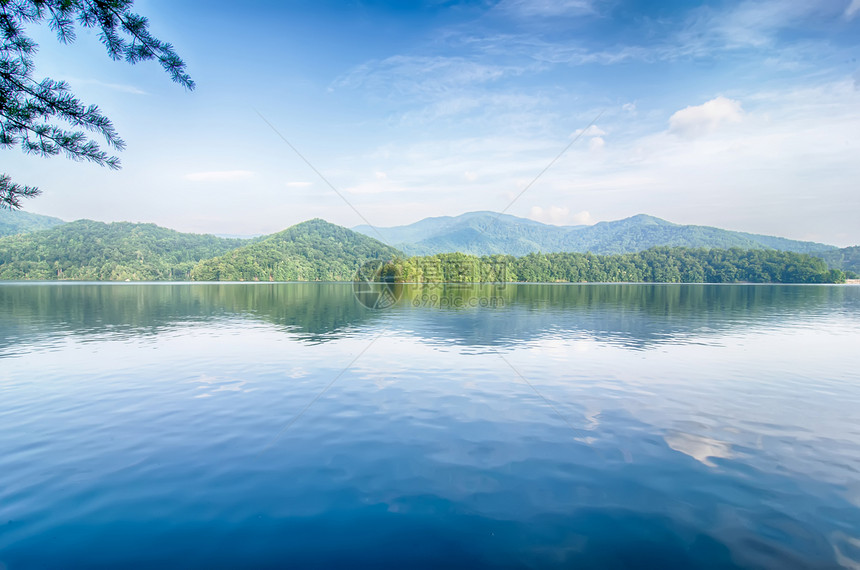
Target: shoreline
850	282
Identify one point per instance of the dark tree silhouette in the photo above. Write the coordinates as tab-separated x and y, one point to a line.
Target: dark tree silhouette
44	117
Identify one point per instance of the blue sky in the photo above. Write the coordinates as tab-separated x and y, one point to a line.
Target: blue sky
743	115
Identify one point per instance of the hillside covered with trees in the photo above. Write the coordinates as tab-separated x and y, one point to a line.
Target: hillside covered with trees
88	250
846	259
13	222
311	251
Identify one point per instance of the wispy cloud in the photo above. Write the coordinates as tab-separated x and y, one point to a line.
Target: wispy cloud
121	87
752	24
415	75
542	51
298	184
511	109
219	176
547	8
704	32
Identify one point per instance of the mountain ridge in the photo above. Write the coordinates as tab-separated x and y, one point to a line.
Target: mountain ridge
14	222
488	233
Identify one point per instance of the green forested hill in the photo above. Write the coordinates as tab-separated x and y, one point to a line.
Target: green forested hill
14	222
487	233
846	259
643	232
311	251
88	250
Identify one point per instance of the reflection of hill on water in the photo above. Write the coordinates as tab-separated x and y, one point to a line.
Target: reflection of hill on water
627	315
635	316
315	312
312	311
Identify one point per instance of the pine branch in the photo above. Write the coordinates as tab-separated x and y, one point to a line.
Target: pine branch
29	108
58	101
12	193
62	24
136	26
52	140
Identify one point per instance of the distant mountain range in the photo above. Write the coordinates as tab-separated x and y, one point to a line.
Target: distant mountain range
487	233
14	222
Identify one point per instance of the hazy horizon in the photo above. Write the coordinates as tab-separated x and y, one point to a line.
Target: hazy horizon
354	227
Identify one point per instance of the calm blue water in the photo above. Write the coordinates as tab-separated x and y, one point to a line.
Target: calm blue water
593	426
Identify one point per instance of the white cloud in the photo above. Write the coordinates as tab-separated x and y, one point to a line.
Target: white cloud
470	176
583	218
553	215
852	9
380	175
560	216
219	175
596	143
592	131
698	120
629	107
298	184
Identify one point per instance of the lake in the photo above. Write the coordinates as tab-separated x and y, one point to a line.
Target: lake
518	426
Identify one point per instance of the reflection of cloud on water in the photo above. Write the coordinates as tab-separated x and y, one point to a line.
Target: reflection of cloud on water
210	385
383	382
297	372
593	419
592	422
840	542
698	447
